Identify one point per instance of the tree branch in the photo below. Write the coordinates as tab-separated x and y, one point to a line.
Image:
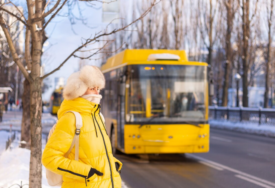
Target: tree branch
12	49
43	16
45	7
54	14
100	35
93	53
255	11
51	10
27	49
32	28
22	15
12	14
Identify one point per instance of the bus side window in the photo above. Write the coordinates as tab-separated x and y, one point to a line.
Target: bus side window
112	94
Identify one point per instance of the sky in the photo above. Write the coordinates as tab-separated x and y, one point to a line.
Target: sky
63	40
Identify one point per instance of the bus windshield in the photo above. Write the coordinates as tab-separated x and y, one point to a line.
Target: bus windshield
166	93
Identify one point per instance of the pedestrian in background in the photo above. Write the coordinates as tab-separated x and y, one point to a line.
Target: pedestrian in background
11	101
2	107
97	167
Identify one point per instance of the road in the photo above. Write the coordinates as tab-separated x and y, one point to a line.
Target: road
235	160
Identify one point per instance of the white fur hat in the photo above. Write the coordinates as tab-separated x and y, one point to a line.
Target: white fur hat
78	83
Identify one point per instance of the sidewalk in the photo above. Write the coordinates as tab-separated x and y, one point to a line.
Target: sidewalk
11	116
247	127
13	119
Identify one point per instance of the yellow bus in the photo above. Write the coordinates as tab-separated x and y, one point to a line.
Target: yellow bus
155	102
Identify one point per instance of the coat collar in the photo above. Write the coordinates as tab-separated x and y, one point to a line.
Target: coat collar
80	105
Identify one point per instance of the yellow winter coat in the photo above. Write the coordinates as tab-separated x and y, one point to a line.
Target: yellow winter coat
94	148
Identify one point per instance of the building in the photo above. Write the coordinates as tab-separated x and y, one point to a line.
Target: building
9	74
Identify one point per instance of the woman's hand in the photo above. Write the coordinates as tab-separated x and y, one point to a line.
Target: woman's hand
94	171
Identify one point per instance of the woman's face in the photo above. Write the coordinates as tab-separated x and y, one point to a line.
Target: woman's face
94	90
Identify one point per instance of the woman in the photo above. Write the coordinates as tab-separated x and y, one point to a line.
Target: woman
96	168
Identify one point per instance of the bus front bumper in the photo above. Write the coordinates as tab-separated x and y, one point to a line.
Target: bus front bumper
157	139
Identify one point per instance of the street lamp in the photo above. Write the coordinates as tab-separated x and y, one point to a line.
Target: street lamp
237	78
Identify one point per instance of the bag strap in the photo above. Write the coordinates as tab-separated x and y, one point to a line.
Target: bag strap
75	142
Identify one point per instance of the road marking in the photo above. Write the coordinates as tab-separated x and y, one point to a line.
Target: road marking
233	170
123	185
259	156
253	181
221	139
210	165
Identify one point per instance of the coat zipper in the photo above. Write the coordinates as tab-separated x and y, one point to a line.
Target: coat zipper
103	124
86	177
105	149
71	172
94	125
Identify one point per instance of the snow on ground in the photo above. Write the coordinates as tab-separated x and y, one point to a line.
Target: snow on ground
248	127
14	168
14	163
3	138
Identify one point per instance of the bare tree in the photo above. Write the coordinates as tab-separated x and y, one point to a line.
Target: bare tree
270	19
193	38
165	34
177	15
147	31
35	25
209	18
231	9
256	51
207	21
247	18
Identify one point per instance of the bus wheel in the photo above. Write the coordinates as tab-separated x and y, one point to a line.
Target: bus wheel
113	141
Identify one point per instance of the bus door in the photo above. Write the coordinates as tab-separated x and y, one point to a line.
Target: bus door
121	111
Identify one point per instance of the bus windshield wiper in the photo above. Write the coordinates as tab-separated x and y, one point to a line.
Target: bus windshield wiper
152	118
192	123
149	120
197	124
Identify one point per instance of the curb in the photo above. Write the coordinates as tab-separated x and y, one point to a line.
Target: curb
244	128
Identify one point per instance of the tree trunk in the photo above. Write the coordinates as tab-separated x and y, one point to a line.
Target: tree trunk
267	71
267	81
228	53
246	36
245	85
35	175
226	83
210	47
218	94
26	121
150	33
209	61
